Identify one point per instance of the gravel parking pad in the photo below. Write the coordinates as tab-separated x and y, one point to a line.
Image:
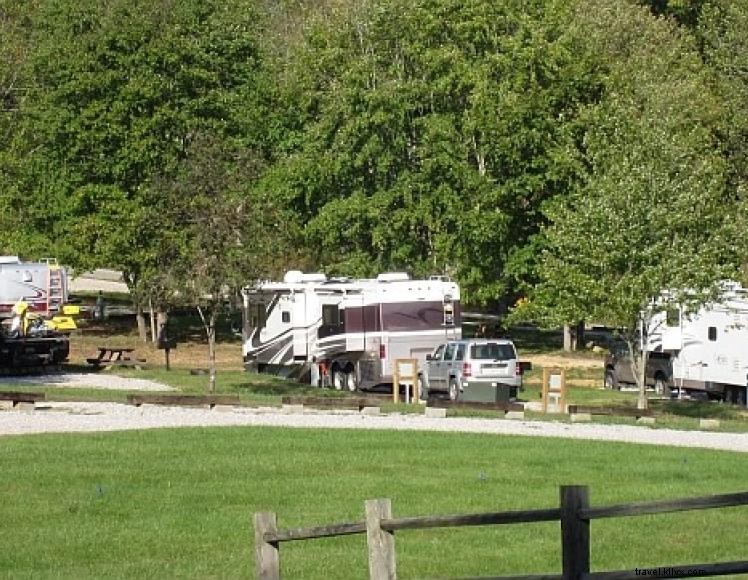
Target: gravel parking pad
97	417
86	381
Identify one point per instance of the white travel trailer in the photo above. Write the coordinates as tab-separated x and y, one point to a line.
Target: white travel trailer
346	332
709	348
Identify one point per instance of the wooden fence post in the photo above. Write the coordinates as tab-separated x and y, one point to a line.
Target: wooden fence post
381	542
575	532
267	555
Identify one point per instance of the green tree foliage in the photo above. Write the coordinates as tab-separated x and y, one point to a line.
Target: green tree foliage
436	136
15	30
216	235
651	213
119	90
433	133
722	33
685	12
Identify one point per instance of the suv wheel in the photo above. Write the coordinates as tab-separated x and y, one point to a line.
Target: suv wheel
610	380
423	393
454	390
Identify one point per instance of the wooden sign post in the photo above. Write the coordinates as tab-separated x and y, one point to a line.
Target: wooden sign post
554	390
405	373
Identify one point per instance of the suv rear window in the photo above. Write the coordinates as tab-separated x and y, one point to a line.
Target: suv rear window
492	351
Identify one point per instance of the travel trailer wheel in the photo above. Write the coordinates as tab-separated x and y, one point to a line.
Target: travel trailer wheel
610	380
735	395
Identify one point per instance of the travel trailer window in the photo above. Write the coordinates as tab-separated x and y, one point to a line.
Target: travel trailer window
712	333
286	317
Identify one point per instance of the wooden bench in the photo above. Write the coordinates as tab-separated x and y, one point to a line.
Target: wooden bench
17	397
499	406
357	403
183	400
612	411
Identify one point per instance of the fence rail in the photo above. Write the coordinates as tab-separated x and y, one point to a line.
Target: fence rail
574	514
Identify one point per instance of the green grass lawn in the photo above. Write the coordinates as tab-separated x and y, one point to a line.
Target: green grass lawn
178	503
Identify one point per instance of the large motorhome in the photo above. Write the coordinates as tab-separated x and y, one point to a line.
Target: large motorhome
709	348
346	332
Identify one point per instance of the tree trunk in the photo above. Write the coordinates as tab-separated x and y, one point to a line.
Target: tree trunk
639	366
140	318
567	338
573	336
154	328
162	318
212	351
210	330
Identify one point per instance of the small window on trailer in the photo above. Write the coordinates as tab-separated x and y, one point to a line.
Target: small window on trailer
712	333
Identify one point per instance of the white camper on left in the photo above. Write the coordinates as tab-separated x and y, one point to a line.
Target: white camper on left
346	332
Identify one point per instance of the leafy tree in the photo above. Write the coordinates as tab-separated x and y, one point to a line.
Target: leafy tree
651	214
119	90
721	32
217	234
14	49
432	134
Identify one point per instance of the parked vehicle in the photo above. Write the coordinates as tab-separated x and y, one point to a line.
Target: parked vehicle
346	332
708	348
455	367
34	317
619	369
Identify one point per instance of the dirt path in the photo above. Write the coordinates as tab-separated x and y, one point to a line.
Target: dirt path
565	361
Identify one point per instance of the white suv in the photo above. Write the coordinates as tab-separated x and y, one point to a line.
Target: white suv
461	366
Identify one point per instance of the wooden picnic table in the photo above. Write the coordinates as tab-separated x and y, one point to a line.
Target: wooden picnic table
110	355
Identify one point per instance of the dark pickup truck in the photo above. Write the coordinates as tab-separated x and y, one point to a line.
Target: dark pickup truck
619	370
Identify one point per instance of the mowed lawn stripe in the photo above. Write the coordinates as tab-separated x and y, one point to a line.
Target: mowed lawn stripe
178	502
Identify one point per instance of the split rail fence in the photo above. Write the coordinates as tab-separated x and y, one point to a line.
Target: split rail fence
574	514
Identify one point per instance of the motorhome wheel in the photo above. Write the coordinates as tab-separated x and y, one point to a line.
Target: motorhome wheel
343	378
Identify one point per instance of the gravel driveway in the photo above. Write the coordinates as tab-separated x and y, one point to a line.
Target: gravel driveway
86	381
98	417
